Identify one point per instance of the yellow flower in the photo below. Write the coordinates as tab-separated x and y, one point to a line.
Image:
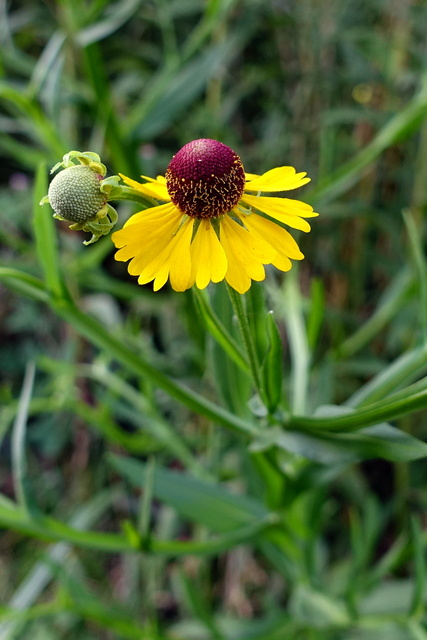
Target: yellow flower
214	223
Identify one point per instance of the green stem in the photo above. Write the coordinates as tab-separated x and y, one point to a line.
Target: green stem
128	193
48	528
248	340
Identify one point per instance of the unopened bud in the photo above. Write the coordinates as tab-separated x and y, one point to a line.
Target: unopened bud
74	194
80	194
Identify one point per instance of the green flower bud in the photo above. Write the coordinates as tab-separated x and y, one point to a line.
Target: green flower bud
75	195
80	194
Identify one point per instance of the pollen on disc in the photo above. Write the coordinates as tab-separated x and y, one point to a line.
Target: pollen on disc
205	179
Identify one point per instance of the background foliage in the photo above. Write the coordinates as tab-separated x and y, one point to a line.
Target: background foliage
316	531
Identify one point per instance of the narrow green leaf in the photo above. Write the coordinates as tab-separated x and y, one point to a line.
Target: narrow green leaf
146	419
178	89
390	303
390	561
416	630
98	335
402	370
379	441
24	283
218	331
51	529
400	126
417	605
45	235
272	366
118	14
291	302
238	302
214	545
202	502
256	308
48	528
38	569
317	310
417	250
41	128
46	62
146	499
319	608
81	600
405	402
234	387
26	156
19	458
198	605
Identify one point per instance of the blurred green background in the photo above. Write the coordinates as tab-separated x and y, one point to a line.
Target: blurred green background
336	88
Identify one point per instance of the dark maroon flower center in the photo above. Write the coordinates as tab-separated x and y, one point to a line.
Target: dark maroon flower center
205	179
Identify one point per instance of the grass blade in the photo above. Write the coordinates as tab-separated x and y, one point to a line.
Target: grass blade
19	459
45	235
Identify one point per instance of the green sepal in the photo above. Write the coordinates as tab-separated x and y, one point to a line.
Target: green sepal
112	187
87	158
105	220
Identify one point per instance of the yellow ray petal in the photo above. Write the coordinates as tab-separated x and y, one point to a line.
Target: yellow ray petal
298	208
208	260
180	260
125	253
261	248
240	248
161	277
156	214
177	261
279	238
155	189
151	247
235	275
174	253
148	179
252	251
281	262
251	176
286	205
143	222
278	179
280	209
145	239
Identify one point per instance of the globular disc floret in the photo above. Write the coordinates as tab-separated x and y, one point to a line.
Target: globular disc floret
74	194
205	179
80	194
